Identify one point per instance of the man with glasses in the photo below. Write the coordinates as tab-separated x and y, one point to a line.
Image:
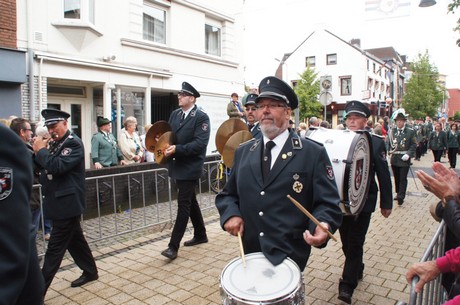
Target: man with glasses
192	129
63	184
250	111
254	201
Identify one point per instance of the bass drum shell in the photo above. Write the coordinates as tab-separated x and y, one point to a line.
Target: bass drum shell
350	153
259	282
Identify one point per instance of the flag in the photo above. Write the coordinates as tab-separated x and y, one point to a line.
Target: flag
381	9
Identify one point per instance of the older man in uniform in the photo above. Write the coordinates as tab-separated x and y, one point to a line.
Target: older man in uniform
20	278
104	148
250	111
354	228
192	128
254	201
63	181
401	145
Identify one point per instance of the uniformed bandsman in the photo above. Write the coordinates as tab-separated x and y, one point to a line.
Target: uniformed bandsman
250	111
401	145
63	188
254	201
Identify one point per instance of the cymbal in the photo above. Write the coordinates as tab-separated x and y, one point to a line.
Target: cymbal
232	144
155	133
168	138
226	130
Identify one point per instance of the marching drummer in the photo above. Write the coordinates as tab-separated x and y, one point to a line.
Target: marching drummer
354	228
254	201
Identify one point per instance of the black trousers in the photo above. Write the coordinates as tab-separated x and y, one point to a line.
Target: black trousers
452	155
187	208
353	234
400	174
437	154
67	235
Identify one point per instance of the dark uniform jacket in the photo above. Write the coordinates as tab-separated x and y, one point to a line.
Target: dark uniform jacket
399	145
379	167
256	132
453	139
437	141
192	137
21	281
272	223
63	178
104	149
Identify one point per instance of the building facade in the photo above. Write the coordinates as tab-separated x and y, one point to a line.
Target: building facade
127	58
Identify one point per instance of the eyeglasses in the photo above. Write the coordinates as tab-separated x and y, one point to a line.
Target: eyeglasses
270	106
251	108
183	94
27	129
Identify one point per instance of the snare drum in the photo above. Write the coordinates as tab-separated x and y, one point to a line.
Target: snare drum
350	153
261	283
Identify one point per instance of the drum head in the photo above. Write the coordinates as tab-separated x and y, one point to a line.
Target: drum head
358	171
260	281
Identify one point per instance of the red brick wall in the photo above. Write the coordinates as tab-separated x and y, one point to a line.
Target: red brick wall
8	24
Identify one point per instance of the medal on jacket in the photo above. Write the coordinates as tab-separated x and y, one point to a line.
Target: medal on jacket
297	186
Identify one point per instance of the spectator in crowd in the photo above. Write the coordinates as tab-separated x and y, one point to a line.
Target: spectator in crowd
191	127
253	202
148	156
324	124
314	122
437	142
21	282
369	126
129	142
23	129
453	143
302	130
234	109
104	148
378	129
63	184
445	185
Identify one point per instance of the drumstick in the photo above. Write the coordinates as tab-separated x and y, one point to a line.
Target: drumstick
241	249
311	217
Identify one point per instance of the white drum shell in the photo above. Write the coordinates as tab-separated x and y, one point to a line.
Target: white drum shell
261	283
350	154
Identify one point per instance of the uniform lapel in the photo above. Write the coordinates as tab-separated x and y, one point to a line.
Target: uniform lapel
255	161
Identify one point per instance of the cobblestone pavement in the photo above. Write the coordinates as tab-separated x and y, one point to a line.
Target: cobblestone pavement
132	271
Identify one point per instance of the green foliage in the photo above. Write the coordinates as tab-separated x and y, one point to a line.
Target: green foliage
450	9
423	93
457	116
307	90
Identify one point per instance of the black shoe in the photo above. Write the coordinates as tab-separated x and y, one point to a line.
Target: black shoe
170	253
400	201
195	241
345	295
83	279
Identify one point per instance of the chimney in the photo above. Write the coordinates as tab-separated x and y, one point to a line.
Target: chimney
356	42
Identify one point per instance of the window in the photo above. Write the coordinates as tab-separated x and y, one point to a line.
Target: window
310	61
212	40
79	9
331	59
345	85
154	23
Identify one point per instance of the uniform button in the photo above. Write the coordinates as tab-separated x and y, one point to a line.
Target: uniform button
261	234
43	196
261	213
262	193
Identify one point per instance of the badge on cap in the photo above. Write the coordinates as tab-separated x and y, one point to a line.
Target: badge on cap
6	182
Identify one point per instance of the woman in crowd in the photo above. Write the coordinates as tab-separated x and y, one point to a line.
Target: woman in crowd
129	142
453	142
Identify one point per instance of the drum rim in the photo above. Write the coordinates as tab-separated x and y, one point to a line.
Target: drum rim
348	169
296	290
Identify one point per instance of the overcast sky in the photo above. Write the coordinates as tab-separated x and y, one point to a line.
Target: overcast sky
275	27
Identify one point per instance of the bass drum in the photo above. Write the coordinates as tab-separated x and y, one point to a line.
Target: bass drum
259	282
350	153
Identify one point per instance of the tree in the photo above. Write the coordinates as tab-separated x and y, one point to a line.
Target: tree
450	9
307	90
423	94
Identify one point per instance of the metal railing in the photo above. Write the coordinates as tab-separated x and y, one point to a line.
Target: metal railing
433	292
132	201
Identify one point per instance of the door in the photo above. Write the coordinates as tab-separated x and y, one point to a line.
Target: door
76	122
